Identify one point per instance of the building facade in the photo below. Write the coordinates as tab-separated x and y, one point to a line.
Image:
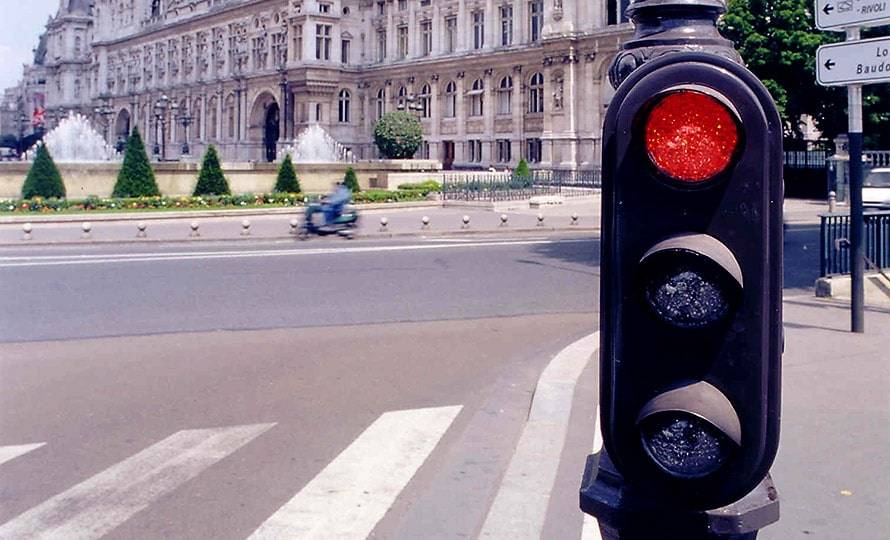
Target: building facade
491	80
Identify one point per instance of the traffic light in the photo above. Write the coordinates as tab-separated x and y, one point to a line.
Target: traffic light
691	291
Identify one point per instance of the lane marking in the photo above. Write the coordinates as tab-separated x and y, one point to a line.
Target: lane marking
11	452
68	260
352	494
520	506
96	506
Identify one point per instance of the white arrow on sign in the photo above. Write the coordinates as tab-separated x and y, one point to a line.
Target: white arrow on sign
839	14
854	62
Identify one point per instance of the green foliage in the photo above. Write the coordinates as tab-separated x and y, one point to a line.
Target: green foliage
381	195
136	177
522	175
287	181
211	180
778	40
351	181
429	186
117	204
398	135
44	179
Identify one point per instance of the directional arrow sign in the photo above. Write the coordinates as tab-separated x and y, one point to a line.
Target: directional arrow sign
839	14
854	62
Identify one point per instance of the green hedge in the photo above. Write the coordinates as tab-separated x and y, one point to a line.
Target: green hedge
430	186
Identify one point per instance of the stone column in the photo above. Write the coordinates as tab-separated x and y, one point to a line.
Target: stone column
438	31
518	108
489	108
464	26
490	26
460	143
413	49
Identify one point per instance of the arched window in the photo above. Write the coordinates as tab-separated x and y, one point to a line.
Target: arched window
425	101
381	103
402	97
476	97
536	94
230	116
505	95
196	120
344	106
450	100
212	106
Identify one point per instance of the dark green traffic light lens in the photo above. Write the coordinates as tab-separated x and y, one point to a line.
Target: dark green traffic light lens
684	445
688	296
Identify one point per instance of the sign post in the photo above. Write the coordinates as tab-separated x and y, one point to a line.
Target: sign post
854	63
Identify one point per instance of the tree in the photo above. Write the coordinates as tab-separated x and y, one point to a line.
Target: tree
522	175
351	181
287	181
136	177
44	179
778	40
211	180
398	135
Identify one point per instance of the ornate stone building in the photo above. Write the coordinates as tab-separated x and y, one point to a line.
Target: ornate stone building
491	80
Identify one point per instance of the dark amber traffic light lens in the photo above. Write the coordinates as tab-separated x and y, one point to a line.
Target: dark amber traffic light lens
691	136
688	296
684	445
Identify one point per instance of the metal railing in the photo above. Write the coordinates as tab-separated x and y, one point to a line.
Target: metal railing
806	159
834	234
494	187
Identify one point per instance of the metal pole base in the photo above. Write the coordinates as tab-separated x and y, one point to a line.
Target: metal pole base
624	515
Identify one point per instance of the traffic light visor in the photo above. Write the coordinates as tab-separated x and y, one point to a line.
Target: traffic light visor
691	136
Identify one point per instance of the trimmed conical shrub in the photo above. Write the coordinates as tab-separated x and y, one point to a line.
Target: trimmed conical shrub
351	181
44	179
522	175
136	177
211	180
287	181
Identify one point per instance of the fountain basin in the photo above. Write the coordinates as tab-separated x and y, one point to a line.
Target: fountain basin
179	178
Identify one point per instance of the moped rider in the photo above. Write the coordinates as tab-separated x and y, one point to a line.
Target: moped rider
334	203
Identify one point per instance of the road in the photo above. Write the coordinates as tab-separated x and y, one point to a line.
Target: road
377	388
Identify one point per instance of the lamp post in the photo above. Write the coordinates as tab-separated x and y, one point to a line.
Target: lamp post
185	120
23	120
162	105
104	112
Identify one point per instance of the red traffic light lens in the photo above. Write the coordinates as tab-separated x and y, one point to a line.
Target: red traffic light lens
691	136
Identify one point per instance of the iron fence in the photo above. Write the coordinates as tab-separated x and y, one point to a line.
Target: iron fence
834	256
494	187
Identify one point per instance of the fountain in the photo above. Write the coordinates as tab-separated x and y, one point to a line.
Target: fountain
75	141
315	145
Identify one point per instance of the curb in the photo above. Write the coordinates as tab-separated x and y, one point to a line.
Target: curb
366	236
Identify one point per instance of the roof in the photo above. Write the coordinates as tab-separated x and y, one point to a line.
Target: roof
79	6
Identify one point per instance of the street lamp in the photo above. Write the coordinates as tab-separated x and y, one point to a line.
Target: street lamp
185	119
104	112
162	105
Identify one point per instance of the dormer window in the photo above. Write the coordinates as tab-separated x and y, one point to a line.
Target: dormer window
324	7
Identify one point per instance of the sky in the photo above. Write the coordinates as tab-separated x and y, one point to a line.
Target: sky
21	23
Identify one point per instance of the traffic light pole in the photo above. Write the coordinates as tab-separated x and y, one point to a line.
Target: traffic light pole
857	224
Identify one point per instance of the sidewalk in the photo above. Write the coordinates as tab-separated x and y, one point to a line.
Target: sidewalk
403	219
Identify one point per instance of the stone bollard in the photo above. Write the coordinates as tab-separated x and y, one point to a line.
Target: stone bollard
425	220
86	227
466	222
540	220
832	202
194	234
383	223
140	227
27	228
503	220
293	226
245	227
574	219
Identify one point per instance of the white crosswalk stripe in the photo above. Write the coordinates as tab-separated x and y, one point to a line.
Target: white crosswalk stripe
349	497
11	452
98	505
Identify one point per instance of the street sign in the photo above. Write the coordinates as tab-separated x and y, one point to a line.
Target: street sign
854	62
839	14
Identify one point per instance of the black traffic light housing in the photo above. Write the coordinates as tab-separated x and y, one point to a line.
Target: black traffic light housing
716	358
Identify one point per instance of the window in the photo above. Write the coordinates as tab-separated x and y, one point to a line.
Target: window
298	42
343	115
323	41
381	103
504	151
403	41
535	19
403	5
536	94
478	29
506	25
450	34
426	38
344	51
424	151
476	97
474	151
534	150
615	11
425	104
324	7
318	112
450	100
402	98
381	45
505	95
381	8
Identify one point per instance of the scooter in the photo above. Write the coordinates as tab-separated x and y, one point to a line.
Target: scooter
314	224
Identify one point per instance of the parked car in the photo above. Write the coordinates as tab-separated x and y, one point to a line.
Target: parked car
876	188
